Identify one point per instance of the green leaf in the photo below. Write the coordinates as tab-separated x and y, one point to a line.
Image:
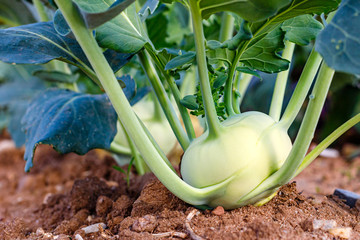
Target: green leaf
250	10
248	71
180	60
96	19
189	102
124	33
339	42
302	29
69	122
296	8
220	81
220	55
261	53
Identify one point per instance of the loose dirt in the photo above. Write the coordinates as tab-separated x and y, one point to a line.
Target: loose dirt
83	197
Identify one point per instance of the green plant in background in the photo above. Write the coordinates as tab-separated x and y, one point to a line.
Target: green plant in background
242	157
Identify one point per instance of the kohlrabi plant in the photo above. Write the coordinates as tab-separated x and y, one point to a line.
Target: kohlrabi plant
212	47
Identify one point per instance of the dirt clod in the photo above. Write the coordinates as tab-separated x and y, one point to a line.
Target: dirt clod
219	210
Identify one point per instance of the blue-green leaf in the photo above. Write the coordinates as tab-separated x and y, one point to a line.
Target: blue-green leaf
36	44
130	86
339	42
148	8
39	43
69	122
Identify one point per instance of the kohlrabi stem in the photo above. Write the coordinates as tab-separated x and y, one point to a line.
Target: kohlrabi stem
327	142
164	100
212	120
40	8
227	27
280	84
175	91
153	159
304	137
301	90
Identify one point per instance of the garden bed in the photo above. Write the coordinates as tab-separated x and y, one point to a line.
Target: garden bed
64	194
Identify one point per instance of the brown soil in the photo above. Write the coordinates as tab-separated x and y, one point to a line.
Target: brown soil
63	194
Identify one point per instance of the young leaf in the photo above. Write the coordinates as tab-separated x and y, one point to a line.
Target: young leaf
248	71
124	33
180	60
302	29
250	10
189	102
339	42
69	122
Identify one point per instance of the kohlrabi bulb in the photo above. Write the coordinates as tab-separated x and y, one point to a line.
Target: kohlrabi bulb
250	147
158	126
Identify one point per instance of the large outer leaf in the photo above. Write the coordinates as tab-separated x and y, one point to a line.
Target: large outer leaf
123	33
37	43
250	10
260	51
69	122
339	42
40	43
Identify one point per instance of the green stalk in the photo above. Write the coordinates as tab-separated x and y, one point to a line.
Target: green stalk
301	90
241	84
226	32
140	165
212	120
280	85
227	27
164	100
41	10
303	139
327	142
175	91
128	118
119	149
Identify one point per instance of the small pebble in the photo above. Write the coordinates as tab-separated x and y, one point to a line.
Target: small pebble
330	153
145	224
40	232
78	237
343	232
94	228
219	210
324	224
6	144
349	197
